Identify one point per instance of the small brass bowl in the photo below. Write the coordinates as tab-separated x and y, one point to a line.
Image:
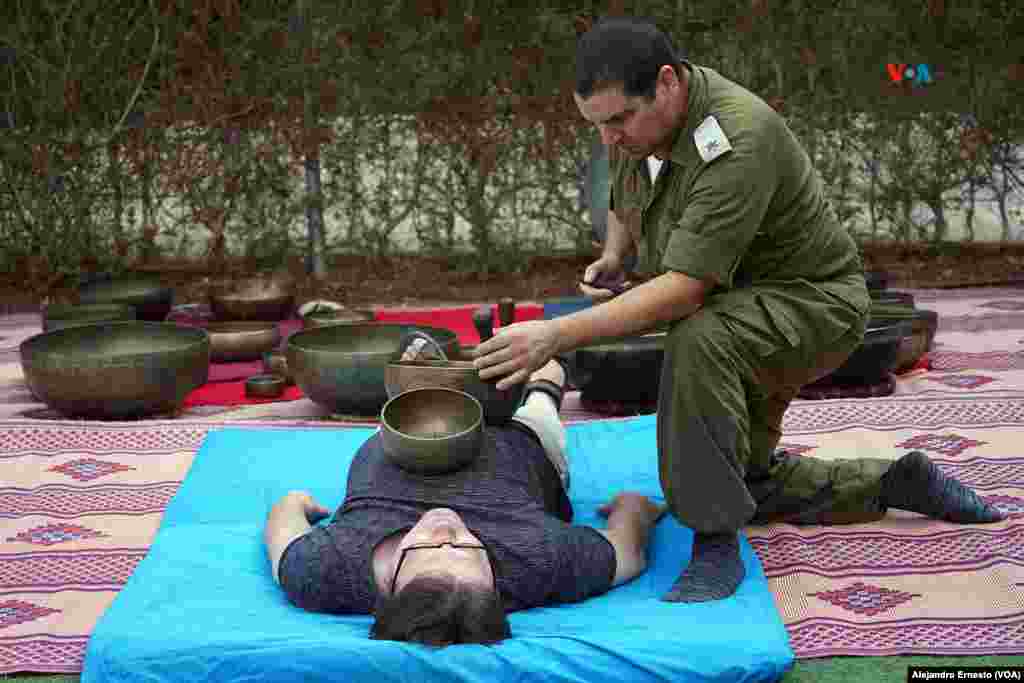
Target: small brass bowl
336	317
264	386
57	316
498	406
241	340
276	363
432	430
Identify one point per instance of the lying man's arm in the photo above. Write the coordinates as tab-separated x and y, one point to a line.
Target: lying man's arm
290	518
630	518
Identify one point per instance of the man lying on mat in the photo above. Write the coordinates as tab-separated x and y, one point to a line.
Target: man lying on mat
440	560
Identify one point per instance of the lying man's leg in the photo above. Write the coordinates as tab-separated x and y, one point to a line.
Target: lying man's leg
539	412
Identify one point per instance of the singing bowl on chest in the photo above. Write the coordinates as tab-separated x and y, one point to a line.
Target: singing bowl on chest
498	406
56	316
147	295
432	430
341	367
241	340
116	370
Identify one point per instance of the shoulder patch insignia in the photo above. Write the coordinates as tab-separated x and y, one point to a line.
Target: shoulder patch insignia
710	140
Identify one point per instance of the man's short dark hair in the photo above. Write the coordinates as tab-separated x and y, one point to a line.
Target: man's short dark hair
623	51
438	611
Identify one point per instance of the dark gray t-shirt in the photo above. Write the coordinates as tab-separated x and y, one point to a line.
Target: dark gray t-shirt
510	498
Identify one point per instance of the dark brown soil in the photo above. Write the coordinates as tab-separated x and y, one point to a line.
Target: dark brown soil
418	281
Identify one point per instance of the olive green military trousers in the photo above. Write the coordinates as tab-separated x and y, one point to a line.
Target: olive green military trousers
729	374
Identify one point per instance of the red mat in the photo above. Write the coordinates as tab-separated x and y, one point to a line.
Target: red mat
226	383
233	394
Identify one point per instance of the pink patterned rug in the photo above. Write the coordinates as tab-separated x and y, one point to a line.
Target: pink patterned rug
80	503
906	584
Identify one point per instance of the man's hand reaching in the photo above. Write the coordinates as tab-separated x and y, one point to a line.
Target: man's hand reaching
516	351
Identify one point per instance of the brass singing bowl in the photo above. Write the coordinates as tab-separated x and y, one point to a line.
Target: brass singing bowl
252	299
432	430
341	367
264	386
923	326
147	295
336	317
276	363
626	369
876	356
241	340
116	370
56	316
498	406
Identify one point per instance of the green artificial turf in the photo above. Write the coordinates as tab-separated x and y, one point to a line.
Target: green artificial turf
827	670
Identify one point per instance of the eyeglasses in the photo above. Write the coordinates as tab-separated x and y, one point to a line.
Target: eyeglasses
425	546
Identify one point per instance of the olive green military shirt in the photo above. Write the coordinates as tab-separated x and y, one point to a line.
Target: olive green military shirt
755	213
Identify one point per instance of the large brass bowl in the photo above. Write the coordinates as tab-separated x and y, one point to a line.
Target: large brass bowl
56	316
432	430
875	358
241	340
499	406
116	370
341	367
924	324
626	370
147	295
257	298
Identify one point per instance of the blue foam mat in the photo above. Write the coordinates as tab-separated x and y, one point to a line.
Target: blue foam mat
202	605
555	308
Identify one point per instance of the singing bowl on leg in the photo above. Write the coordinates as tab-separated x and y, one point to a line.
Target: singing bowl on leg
116	370
499	406
432	430
341	367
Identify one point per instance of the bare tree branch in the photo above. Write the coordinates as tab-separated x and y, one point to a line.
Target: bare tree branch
145	72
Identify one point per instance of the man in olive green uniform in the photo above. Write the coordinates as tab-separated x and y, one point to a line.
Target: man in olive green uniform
763	291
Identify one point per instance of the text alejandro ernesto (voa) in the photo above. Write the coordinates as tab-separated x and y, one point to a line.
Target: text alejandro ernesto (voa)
965	673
